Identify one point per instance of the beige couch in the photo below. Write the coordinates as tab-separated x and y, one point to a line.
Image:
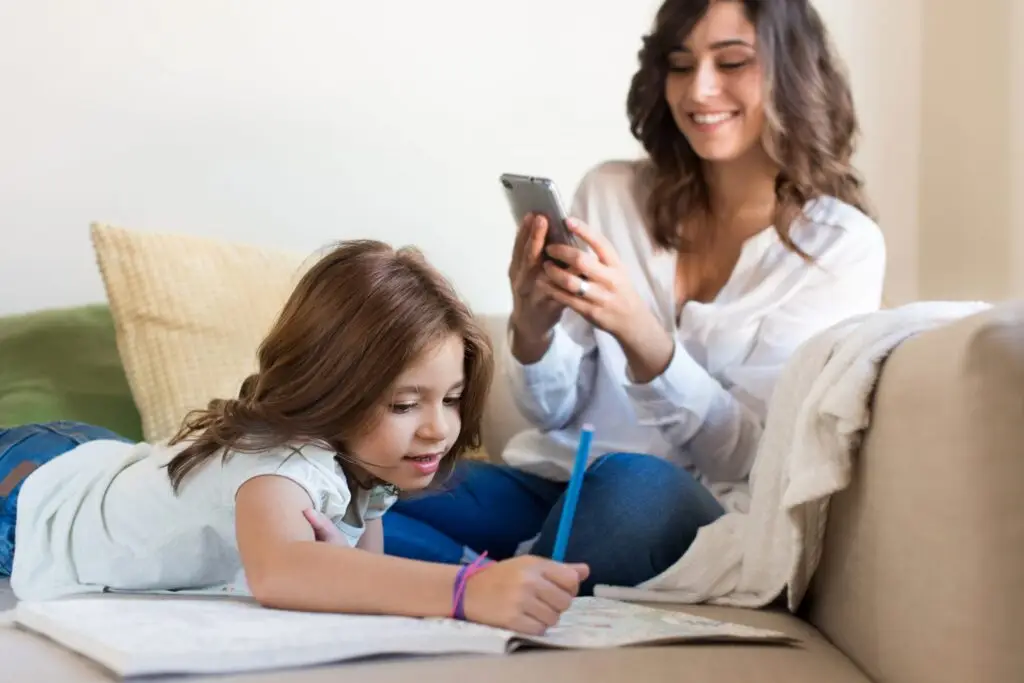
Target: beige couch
920	581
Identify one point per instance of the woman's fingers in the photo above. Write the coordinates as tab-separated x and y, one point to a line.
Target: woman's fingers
519	246
538	232
597	242
580	262
570	279
586	306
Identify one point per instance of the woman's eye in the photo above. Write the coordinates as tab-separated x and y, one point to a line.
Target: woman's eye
402	407
732	66
453	401
679	68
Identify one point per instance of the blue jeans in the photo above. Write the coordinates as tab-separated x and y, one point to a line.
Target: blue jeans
22	450
636	516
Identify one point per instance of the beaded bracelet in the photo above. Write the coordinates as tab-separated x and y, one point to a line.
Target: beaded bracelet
461	578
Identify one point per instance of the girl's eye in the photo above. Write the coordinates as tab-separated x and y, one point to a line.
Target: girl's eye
401	408
677	69
453	400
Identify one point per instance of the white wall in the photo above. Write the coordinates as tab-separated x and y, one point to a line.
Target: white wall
1016	188
296	123
967	174
880	41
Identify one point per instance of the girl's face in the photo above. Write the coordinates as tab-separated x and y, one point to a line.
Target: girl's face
715	84
420	421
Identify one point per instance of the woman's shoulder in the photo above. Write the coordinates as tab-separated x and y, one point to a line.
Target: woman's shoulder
830	225
608	196
612	177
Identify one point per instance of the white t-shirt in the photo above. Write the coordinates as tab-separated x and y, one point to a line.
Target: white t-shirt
707	410
103	516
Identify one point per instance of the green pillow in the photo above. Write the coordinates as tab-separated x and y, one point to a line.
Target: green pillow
63	364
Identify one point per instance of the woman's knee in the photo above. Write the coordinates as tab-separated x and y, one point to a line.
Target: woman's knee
636	516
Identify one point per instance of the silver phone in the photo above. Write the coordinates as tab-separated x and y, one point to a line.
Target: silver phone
538	195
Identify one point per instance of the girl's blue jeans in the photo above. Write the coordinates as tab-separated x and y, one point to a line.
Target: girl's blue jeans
22	450
636	515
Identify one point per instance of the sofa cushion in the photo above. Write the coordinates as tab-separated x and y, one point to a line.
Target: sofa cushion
29	658
63	365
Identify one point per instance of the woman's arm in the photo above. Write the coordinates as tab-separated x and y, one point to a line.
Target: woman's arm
550	391
719	426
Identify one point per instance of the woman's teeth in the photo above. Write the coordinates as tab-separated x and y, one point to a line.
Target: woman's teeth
710	119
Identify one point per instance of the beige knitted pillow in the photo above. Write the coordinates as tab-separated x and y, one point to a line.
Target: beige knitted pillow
190	313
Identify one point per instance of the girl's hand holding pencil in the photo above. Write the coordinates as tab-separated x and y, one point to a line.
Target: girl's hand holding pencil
525	594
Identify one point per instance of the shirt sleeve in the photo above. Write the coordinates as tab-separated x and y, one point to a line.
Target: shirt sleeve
381	500
311	468
551	391
718	424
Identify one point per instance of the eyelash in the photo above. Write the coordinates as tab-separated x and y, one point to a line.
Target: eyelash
403	408
725	66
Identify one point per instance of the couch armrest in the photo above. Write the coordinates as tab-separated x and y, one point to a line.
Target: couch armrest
921	573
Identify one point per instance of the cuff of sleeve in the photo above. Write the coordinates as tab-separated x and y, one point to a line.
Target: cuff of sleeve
551	364
684	390
381	500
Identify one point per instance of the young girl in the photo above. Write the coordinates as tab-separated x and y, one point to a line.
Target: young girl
372	381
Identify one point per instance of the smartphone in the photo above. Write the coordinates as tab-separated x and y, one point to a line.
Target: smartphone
533	194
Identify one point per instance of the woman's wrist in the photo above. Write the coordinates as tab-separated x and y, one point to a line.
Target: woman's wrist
528	346
648	348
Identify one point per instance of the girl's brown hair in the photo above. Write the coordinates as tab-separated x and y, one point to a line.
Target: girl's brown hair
354	322
811	123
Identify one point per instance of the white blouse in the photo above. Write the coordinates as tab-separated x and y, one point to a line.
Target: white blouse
707	410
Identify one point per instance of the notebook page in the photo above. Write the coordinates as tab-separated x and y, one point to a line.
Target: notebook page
178	635
593	622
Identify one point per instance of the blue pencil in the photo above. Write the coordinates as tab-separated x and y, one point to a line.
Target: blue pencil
572	494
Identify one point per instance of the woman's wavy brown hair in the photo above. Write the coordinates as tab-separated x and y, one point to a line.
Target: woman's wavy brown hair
357	318
810	127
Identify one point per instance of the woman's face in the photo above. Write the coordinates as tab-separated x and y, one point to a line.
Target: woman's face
714	86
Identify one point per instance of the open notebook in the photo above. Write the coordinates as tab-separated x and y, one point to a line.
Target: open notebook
147	635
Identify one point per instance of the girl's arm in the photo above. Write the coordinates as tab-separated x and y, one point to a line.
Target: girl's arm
373	537
286	568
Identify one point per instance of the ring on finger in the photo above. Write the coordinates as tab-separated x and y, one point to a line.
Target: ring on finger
583	288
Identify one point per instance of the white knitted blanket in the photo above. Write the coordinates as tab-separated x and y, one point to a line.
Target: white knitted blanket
819	411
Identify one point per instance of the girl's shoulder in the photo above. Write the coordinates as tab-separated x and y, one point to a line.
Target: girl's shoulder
312	467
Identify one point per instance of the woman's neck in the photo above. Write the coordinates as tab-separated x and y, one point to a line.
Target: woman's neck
742	191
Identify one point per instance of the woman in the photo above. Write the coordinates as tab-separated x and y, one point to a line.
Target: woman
743	233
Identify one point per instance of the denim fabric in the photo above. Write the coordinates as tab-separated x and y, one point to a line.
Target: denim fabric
24	448
636	516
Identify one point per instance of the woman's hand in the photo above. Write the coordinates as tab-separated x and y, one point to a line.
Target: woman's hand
525	594
597	286
534	313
